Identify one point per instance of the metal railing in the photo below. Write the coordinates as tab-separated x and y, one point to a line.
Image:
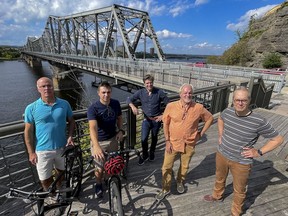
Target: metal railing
167	75
16	170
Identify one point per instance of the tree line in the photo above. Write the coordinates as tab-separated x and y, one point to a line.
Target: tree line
9	53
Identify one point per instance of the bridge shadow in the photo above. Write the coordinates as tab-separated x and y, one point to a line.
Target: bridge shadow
146	204
138	192
263	175
144	182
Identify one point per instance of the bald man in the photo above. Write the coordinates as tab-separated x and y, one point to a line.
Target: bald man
45	131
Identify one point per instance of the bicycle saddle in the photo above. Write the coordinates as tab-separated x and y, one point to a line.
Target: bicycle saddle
68	149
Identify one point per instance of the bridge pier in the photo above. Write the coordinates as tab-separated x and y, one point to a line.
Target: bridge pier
65	78
32	61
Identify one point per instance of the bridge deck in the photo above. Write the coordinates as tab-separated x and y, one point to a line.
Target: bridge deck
267	191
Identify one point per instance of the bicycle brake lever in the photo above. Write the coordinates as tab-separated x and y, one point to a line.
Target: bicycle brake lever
11	194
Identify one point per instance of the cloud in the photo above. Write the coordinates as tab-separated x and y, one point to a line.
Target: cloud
200	2
205	45
166	34
21	11
243	21
148	5
181	6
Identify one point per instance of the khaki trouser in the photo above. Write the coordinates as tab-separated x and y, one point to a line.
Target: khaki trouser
109	145
240	173
168	165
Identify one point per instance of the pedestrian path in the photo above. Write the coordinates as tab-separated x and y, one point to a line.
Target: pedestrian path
267	191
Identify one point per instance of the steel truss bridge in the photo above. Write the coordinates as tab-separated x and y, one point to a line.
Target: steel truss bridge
98	33
104	42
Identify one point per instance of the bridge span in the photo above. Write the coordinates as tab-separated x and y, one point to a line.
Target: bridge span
111	42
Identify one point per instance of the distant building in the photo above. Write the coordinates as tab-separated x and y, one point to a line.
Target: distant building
152	51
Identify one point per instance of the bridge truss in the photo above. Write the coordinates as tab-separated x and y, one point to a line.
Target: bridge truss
114	31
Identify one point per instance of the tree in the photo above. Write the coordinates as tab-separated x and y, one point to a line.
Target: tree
272	60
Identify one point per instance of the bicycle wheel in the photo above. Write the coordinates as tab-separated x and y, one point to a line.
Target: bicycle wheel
115	199
74	171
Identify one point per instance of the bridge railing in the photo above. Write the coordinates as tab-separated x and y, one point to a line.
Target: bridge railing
16	170
167	75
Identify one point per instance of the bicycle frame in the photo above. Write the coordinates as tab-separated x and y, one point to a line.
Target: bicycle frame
71	174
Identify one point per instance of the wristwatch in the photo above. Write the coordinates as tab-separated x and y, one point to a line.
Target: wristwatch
121	130
260	152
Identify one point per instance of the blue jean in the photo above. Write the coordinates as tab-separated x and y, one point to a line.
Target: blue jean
147	126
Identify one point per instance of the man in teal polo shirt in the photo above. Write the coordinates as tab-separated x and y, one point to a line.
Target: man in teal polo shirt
45	131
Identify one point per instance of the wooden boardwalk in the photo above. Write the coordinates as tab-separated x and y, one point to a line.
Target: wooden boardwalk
267	189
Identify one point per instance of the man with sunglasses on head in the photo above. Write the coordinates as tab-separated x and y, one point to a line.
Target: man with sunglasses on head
239	129
105	126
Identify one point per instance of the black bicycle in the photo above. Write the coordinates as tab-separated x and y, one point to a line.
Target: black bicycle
62	197
116	167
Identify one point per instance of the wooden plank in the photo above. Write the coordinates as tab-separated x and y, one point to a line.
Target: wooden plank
267	187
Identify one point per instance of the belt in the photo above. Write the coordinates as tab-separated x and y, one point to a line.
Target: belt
151	118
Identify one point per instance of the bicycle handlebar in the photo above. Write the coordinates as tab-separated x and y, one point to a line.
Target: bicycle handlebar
124	151
112	153
33	195
115	153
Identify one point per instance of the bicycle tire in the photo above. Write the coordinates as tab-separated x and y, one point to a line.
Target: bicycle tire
74	173
116	207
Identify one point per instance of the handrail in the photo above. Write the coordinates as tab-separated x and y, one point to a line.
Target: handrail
167	75
16	170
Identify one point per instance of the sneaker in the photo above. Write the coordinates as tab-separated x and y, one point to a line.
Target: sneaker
58	211
99	190
161	195
51	200
151	156
210	198
180	187
142	160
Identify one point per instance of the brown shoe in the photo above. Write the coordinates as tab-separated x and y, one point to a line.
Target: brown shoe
210	198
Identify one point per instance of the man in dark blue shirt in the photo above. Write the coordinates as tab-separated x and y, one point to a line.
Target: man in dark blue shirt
105	126
151	99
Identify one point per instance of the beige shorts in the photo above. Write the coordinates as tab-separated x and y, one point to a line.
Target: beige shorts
106	146
47	161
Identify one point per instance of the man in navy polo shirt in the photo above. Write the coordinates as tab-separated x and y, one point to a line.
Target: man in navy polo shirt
105	125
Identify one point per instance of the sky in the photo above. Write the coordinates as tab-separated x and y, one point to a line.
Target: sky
198	27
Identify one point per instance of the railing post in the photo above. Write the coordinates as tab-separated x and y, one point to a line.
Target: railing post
131	129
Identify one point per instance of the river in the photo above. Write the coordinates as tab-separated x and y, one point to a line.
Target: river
18	89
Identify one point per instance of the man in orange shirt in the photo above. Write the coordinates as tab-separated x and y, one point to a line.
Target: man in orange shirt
180	121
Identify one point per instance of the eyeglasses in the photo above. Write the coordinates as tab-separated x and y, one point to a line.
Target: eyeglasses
240	101
46	86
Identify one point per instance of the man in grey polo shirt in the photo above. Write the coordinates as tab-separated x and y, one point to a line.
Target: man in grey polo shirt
239	129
